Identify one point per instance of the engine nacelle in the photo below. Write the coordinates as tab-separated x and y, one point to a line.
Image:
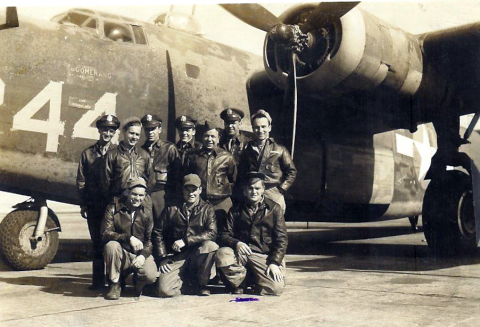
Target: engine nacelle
358	52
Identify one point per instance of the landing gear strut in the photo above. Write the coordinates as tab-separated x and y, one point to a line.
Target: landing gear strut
29	236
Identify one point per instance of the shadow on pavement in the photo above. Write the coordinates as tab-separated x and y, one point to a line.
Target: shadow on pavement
374	255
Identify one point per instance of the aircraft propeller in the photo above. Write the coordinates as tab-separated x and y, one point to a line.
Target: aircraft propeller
294	38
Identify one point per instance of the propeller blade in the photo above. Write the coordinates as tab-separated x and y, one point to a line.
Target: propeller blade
253	14
326	13
12	17
290	98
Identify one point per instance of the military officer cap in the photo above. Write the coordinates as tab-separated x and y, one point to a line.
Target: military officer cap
185	121
261	114
232	114
254	174
108	121
192	179
136	182
209	126
151	121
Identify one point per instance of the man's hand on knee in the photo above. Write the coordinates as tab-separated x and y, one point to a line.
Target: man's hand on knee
138	261
165	267
243	249
178	245
274	272
136	244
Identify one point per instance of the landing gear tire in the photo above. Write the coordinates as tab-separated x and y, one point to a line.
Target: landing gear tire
19	251
448	216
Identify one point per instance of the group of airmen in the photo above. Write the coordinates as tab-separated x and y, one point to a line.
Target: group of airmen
179	215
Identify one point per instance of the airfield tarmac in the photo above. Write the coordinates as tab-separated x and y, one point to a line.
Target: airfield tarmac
370	274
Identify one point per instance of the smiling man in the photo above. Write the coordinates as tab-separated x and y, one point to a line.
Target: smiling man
255	238
125	162
126	228
92	199
183	239
265	155
217	170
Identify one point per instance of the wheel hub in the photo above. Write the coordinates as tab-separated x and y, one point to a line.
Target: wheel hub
32	248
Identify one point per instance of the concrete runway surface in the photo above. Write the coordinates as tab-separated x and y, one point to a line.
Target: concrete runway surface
369	274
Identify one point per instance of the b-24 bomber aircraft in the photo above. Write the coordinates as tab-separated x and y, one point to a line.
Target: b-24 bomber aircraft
370	112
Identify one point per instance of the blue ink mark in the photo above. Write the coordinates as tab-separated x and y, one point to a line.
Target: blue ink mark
244	299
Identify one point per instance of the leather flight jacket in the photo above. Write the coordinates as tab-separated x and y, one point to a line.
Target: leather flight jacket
90	167
165	165
236	146
216	170
176	224
264	231
121	165
185	148
274	161
117	225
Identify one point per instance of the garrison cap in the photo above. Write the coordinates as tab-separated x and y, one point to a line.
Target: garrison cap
151	121
261	114
254	174
136	182
108	121
192	179
131	121
232	114
185	121
209	126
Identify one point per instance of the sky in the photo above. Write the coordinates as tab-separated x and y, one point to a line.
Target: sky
218	25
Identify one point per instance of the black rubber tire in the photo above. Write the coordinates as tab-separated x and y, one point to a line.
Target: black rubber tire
17	250
445	201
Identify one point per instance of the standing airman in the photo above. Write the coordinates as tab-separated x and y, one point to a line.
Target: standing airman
186	128
92	200
164	163
125	162
264	155
217	170
232	139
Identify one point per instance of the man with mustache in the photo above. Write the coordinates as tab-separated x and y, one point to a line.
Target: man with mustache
127	228
92	199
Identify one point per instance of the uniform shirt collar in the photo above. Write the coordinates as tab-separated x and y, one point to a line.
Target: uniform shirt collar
126	150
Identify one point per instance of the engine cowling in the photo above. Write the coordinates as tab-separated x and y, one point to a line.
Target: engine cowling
357	52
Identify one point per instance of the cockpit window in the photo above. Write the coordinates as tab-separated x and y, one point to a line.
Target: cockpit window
118	32
74	18
140	37
92	23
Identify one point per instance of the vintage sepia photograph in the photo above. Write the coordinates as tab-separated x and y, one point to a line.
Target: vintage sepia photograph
240	164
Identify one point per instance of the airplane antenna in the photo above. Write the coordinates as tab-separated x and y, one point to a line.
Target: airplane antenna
194	9
171	7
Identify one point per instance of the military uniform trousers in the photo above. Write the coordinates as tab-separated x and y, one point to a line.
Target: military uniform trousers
198	260
118	260
234	267
94	221
158	202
